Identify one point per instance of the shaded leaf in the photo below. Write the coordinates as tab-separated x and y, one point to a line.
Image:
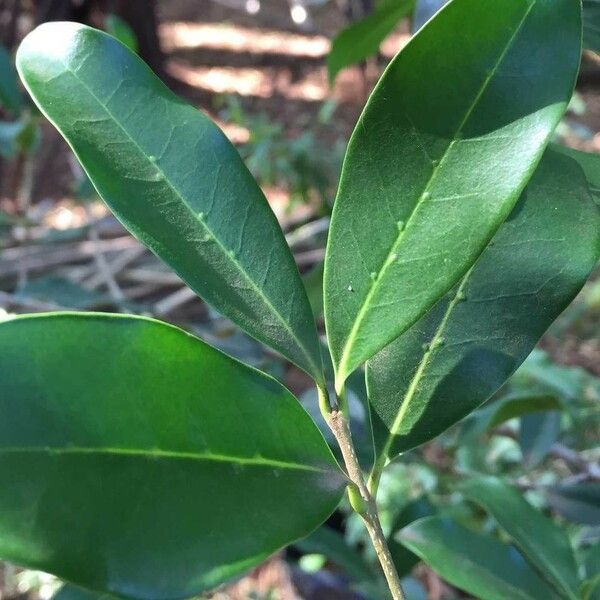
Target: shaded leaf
313	283
72	592
579	503
174	180
537	434
591	586
470	343
331	543
363	38
510	407
588	161
186	470
404	559
10	96
591	25
438	159
478	564
121	30
543	544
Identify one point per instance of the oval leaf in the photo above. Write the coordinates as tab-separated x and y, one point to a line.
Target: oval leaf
476	563
543	544
137	460
439	157
174	180
464	349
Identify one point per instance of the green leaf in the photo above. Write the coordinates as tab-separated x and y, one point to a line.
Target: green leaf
139	461
439	157
313	283
591	585
579	503
121	30
174	180
588	161
10	96
330	543
537	434
363	38
464	349
404	559
542	543
510	407
72	592
478	564
591	25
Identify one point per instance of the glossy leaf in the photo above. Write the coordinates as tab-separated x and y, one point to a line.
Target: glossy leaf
579	503
468	345
174	180
542	543
139	461
476	563
363	38
438	159
10	96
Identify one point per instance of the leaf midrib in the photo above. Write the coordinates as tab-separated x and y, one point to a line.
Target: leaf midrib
374	283
156	454
434	345
179	195
494	579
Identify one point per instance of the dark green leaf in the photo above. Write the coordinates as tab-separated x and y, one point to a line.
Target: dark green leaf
10	96
72	592
438	159
510	407
137	460
363	38
313	283
9	136
588	161
330	543
478	564
591	586
591	25
464	349
62	293
579	503
542	543
119	29
174	180
404	559
536	435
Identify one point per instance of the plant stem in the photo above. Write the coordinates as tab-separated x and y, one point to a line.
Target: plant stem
368	508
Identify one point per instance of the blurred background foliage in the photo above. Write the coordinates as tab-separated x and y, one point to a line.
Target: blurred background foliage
286	80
